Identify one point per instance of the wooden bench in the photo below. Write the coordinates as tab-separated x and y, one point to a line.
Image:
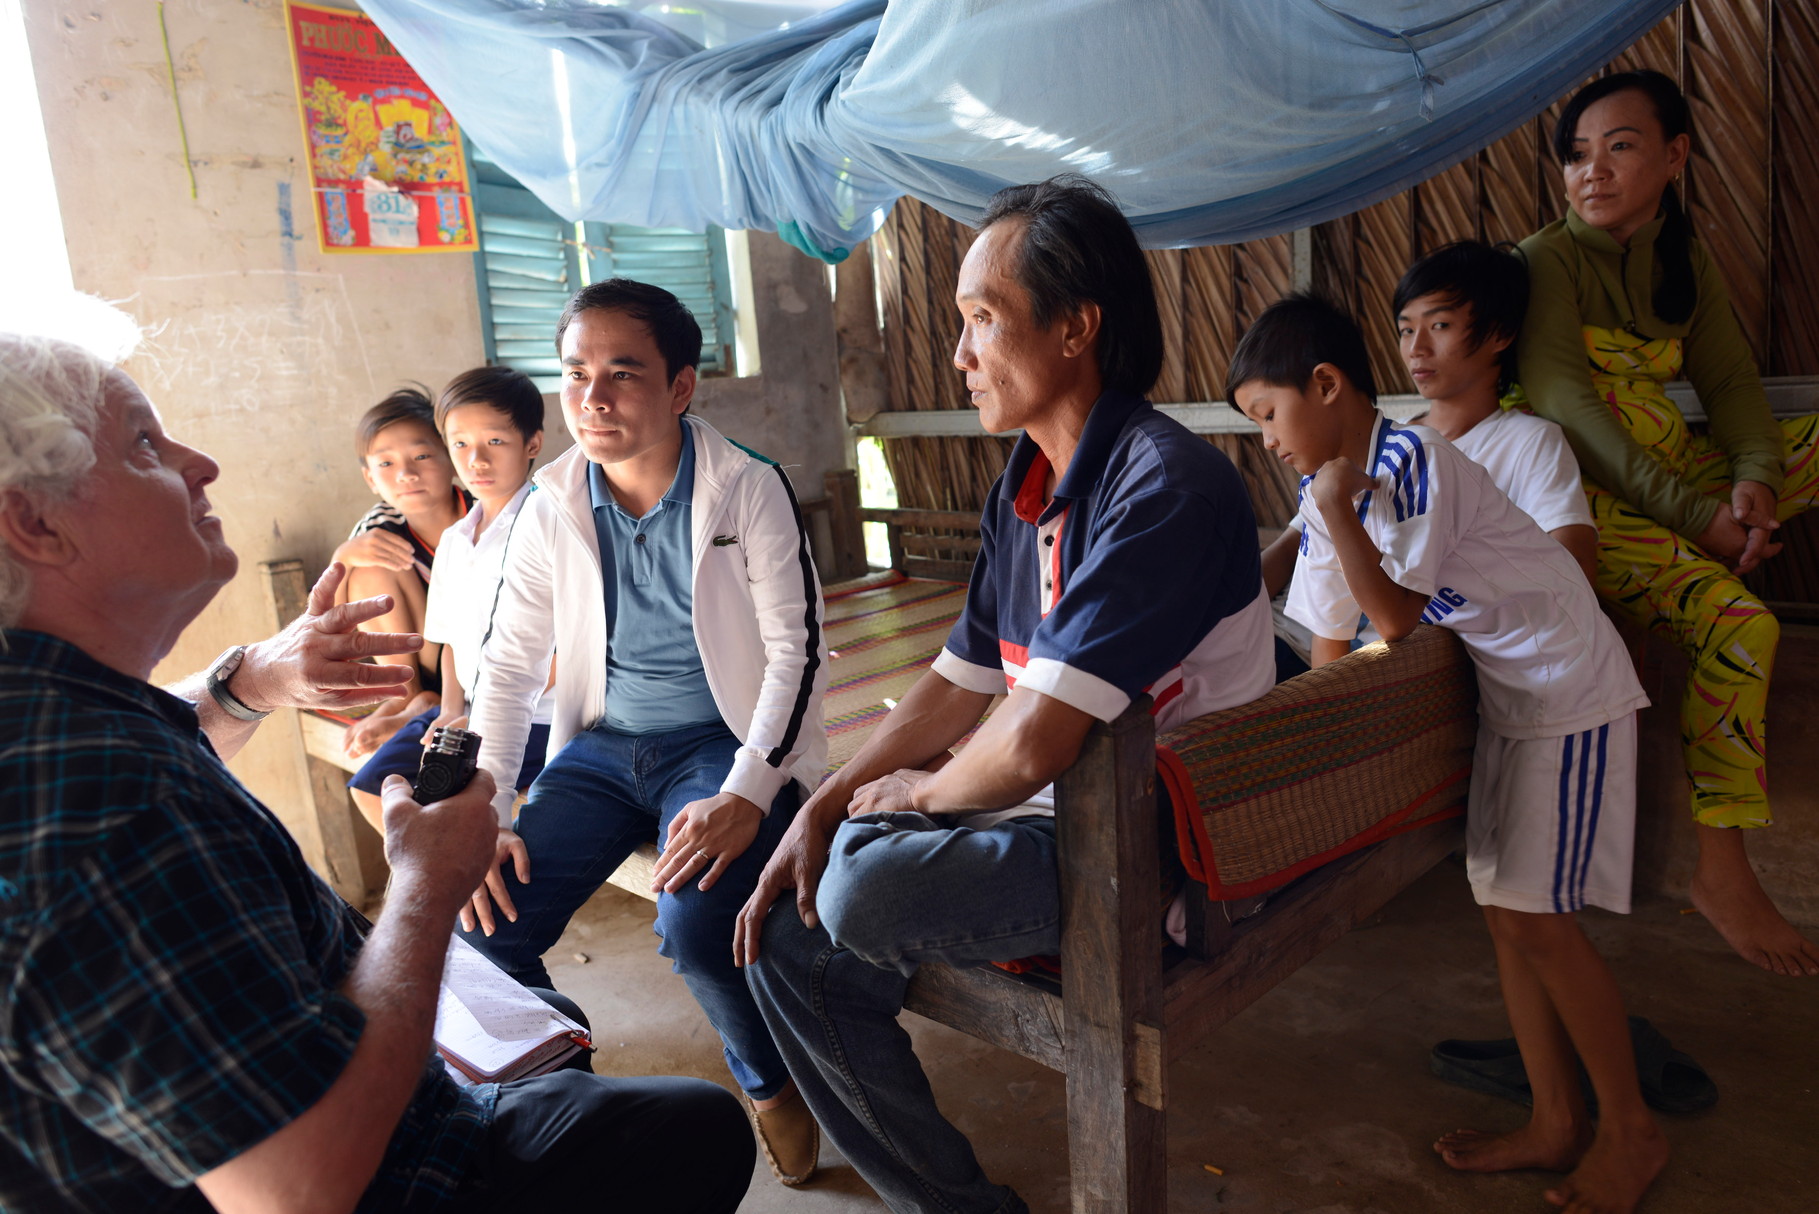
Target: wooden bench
1126	1005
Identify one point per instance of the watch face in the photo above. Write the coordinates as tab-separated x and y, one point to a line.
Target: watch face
224	669
228	663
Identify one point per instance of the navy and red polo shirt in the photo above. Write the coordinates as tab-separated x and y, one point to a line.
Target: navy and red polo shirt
1140	574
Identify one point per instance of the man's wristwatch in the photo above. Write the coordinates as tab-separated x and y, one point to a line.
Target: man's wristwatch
224	668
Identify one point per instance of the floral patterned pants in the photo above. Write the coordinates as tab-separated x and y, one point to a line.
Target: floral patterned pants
1665	583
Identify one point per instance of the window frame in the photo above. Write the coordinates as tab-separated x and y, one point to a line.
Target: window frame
586	246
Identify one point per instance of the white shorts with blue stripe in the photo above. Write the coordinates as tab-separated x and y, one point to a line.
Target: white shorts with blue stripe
1551	824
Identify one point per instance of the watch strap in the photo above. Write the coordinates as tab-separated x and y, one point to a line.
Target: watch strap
217	686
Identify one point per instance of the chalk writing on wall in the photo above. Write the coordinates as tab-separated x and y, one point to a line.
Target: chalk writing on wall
238	359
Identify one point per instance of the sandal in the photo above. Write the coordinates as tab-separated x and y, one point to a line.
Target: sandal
1671	1081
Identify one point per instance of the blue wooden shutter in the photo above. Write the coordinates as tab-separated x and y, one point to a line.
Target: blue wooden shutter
530	262
528	268
691	265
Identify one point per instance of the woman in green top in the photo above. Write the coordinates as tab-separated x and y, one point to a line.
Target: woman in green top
1622	300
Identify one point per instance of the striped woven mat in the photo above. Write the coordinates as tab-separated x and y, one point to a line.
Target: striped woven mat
1330	761
880	639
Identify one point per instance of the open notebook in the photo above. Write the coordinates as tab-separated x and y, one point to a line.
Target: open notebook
489	1029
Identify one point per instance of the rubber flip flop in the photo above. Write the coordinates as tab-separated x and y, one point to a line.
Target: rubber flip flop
1492	1067
1671	1081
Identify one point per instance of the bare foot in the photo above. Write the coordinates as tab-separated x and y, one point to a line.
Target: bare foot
1614	1174
1725	890
1528	1147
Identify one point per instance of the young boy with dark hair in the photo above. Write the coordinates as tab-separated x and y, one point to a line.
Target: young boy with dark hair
1401	525
403	461
1279	557
492	420
390	551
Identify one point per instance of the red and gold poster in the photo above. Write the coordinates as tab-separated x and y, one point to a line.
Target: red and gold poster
385	163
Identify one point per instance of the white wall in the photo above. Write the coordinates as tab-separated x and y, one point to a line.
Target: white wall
263	350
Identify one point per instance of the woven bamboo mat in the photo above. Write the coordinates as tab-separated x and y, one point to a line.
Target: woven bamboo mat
1395	729
879	642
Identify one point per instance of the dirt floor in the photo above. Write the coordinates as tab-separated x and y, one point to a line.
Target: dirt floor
1317	1099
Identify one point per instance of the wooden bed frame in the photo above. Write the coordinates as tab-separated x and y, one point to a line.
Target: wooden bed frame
1129	1004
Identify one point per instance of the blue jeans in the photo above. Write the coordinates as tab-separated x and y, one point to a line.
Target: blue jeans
900	889
601	796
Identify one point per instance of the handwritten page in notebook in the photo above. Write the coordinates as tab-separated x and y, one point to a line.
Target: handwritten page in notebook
486	1021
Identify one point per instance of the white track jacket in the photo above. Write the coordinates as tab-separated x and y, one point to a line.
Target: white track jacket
757	611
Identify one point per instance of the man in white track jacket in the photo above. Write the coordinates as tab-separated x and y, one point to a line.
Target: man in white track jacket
670	570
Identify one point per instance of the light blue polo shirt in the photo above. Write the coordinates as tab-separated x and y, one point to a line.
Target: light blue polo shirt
654	679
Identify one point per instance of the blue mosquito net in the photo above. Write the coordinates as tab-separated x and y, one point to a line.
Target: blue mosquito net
1211	121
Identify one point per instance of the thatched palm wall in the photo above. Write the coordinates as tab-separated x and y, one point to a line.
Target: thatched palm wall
1751	71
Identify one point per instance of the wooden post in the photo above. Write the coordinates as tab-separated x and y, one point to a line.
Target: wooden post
1111	965
894	535
864	382
330	834
845	532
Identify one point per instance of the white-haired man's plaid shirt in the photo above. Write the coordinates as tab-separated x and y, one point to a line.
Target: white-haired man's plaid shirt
168	964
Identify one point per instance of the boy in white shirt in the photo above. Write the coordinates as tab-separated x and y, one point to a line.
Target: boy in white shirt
1458	312
495	414
391	552
1401	525
492	420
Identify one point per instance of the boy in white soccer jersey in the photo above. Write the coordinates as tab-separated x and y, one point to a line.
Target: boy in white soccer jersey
1401	525
1458	312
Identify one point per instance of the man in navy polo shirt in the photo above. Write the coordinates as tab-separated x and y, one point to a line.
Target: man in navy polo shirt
1118	558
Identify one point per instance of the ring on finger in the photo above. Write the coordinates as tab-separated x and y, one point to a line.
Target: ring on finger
701	855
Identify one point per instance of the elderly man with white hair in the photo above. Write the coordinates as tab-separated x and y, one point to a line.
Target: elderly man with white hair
188	1016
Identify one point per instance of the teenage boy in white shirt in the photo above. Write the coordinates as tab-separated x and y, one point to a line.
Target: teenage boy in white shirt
391	553
491	418
1404	527
1458	312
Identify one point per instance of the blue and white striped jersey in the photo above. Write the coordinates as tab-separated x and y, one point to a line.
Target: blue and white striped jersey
1548	661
